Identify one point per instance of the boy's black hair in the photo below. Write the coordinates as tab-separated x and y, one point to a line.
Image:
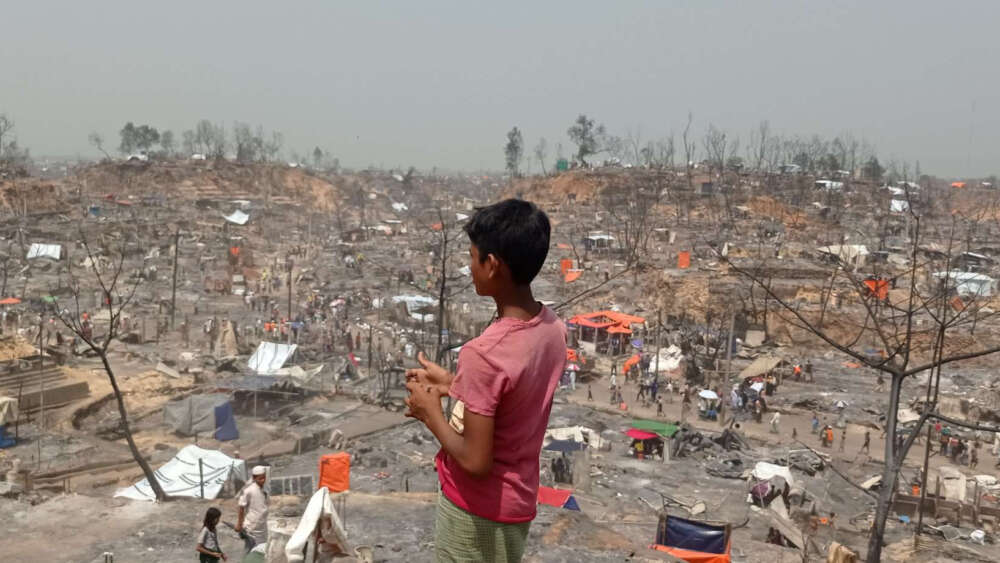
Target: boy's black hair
211	516
514	231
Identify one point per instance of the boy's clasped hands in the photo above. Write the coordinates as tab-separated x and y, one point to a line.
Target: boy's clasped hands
426	385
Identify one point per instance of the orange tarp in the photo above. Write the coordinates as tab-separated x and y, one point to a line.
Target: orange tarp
335	472
565	265
958	184
684	259
693	556
564	246
878	288
618	330
570	276
630	362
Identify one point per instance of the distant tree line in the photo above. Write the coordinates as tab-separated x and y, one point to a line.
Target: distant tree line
717	151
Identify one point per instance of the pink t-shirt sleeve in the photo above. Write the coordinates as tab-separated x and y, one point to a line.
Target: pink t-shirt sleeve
478	384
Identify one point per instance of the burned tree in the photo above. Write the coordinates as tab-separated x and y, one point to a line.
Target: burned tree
912	331
116	295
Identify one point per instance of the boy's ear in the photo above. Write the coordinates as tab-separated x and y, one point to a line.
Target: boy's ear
494	265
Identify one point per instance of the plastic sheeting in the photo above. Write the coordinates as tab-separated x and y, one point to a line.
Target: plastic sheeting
764	471
270	357
237	217
8	410
699	537
180	477
194	414
319	515
51	251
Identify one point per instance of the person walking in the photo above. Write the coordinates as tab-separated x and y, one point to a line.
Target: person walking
251	520
866	447
208	541
973	459
590	393
843	440
659	407
815	423
775	419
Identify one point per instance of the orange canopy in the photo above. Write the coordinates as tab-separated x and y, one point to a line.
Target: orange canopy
617	329
958	184
604	319
9	301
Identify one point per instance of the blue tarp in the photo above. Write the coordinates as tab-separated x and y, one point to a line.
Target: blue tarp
565	446
225	423
571	504
5	441
691	535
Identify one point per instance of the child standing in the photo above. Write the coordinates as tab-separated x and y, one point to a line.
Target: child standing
208	541
488	462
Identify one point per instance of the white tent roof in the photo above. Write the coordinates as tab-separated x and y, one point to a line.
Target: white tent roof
764	471
180	476
37	250
270	357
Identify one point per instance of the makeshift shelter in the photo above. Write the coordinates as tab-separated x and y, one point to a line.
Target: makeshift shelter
968	283
50	251
763	365
560	498
197	414
335	472
8	413
320	519
691	541
270	357
660	428
853	255
189	472
606	330
577	434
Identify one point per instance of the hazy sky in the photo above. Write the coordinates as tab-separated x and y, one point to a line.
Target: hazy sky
430	83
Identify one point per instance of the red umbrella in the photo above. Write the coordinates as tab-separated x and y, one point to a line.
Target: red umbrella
9	301
640	434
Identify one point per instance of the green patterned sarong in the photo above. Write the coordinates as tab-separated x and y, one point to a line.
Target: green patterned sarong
460	537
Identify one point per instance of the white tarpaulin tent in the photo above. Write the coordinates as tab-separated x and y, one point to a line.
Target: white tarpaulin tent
8	410
180	476
853	254
764	471
36	250
270	357
237	217
669	360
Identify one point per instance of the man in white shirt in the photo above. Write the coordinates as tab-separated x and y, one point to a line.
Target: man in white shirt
251	523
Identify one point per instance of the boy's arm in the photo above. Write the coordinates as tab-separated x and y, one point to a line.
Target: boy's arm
473	449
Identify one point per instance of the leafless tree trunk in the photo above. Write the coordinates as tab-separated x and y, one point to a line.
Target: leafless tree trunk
117	296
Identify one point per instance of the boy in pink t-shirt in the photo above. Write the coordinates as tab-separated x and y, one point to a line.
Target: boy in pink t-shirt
488	462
